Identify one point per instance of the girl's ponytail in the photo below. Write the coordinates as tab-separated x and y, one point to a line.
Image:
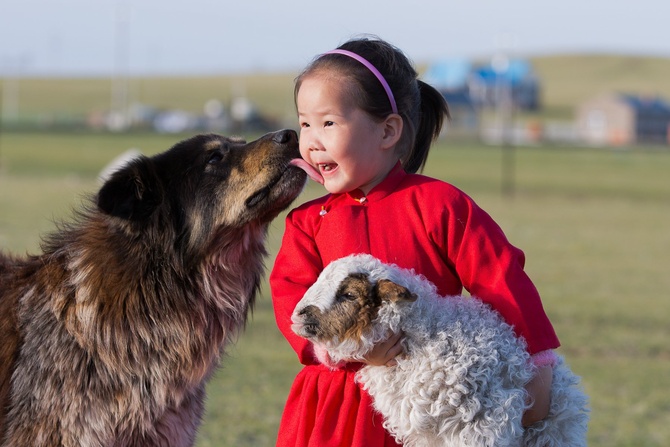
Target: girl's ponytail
433	109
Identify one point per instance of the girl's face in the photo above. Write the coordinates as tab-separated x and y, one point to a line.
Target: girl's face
348	147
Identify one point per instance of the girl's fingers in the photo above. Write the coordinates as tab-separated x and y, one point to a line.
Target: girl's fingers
394	344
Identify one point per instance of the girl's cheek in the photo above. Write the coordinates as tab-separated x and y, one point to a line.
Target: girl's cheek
304	151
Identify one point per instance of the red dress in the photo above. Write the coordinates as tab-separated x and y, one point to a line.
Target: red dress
412	221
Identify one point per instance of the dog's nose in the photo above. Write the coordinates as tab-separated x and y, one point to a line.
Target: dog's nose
285	136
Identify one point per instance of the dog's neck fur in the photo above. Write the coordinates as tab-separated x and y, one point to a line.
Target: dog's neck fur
215	305
226	274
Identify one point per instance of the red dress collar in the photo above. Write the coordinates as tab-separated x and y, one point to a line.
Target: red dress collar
383	189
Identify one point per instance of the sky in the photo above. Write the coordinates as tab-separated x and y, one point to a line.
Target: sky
177	37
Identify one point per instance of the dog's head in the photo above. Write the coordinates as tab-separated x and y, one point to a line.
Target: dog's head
340	311
204	185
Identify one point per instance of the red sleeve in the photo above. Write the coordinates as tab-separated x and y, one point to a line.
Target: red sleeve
296	268
492	270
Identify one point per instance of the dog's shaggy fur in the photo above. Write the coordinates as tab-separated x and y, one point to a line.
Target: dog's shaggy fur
109	335
461	380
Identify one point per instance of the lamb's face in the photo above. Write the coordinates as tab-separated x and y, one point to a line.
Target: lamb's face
349	313
346	314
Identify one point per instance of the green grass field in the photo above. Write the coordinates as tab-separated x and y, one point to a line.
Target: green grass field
593	223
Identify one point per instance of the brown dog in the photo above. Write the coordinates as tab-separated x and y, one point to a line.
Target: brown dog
108	337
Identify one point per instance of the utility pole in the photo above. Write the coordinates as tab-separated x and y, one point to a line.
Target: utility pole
10	89
9	95
1	122
11	70
504	103
119	96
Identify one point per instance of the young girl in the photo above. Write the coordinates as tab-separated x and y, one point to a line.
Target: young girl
366	125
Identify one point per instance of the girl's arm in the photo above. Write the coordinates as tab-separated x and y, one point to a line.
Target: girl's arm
539	394
492	269
296	268
539	388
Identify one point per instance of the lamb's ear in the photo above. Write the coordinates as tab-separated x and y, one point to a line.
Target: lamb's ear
389	291
131	193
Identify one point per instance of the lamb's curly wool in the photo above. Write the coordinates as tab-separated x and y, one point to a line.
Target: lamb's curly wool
461	381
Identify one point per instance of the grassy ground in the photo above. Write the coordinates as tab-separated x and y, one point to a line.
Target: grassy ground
46	100
593	223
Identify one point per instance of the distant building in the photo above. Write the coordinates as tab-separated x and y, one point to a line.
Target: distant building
470	87
450	77
486	83
622	119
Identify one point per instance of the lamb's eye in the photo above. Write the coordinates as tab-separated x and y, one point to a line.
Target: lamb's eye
346	296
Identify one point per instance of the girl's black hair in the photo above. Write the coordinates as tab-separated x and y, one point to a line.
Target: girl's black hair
421	106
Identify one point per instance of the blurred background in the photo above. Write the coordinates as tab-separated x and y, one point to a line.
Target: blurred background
571	72
560	129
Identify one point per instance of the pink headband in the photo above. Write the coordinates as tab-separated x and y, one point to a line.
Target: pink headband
374	71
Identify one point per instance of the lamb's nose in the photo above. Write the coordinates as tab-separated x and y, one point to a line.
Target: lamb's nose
285	136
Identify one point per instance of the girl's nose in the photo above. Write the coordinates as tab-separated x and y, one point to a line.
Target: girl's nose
310	141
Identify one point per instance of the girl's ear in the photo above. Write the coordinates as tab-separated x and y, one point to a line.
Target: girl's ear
392	130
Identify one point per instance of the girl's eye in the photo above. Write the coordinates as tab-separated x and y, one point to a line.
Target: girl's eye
304	125
328	124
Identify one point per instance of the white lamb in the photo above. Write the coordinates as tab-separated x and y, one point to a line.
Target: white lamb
461	380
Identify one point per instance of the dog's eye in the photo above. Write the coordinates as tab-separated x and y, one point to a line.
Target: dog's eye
215	157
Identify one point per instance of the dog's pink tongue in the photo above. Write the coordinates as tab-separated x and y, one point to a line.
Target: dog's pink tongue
308	168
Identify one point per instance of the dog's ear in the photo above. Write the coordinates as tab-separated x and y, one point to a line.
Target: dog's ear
389	291
132	192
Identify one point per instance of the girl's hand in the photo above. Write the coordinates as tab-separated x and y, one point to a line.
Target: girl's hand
539	393
385	352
